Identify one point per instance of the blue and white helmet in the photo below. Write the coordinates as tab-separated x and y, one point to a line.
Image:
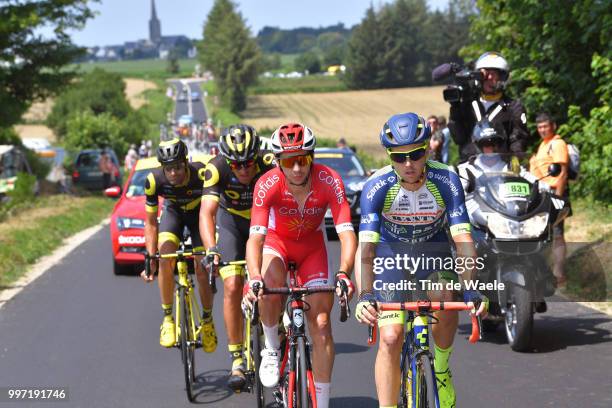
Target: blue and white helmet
404	129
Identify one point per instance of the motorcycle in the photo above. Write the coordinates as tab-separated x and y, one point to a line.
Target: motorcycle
512	216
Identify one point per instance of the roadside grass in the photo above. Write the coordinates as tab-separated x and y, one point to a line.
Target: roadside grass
222	115
156	108
37	229
589	242
145	68
306	84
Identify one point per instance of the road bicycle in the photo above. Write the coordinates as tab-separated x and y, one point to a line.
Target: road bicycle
187	319
296	386
418	387
252	341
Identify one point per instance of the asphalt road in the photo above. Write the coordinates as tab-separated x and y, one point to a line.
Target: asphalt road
80	327
198	110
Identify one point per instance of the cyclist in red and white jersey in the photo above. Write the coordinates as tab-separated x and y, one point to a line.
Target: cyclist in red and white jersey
287	224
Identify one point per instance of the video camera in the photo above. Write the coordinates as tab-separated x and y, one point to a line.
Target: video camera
466	84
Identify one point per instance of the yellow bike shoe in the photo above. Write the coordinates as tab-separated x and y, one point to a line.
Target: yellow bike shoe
209	336
167	336
446	391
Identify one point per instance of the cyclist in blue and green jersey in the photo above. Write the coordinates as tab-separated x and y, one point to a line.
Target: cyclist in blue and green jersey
408	211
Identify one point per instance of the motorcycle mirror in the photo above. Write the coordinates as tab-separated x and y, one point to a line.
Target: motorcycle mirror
554	169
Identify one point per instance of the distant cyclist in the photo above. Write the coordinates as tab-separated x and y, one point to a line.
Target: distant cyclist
287	224
179	182
410	208
226	203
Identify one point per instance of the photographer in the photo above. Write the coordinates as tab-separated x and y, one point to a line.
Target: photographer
480	95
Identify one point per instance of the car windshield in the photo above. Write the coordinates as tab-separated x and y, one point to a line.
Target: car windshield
347	165
137	184
88	159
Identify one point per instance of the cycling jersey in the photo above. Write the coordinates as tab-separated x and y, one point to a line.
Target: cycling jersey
390	213
220	184
275	208
184	197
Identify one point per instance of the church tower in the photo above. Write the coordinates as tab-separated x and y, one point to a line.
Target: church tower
154	26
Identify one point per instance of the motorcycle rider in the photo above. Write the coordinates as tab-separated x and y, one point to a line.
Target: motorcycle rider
493	105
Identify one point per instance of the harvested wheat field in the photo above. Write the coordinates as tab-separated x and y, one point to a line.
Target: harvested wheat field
357	116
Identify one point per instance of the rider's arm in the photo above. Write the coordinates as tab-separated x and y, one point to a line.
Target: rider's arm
371	204
260	212
210	205
254	250
341	213
151	203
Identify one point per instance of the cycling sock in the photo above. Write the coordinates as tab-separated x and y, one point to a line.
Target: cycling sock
167	310
441	359
271	335
323	391
235	351
206	315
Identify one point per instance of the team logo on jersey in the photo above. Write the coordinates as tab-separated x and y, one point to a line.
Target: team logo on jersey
336	184
379	184
457	212
369	218
264	187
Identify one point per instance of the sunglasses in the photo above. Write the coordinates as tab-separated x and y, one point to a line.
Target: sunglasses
302	161
174	167
237	165
413	155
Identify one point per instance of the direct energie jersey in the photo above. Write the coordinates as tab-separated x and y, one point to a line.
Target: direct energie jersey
220	184
275	208
390	213
183	197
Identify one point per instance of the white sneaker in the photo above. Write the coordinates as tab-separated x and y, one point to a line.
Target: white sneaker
268	369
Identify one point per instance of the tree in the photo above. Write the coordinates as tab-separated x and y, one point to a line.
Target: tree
99	91
308	61
86	130
32	65
364	51
230	53
172	62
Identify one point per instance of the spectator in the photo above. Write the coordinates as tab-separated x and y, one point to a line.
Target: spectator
341	144
130	158
492	104
435	146
142	150
107	168
553	149
149	146
447	137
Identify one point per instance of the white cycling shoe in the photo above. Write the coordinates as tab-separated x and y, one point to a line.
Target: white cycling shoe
269	367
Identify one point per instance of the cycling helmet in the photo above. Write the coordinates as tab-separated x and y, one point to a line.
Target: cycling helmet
404	129
493	60
484	132
239	143
293	137
171	151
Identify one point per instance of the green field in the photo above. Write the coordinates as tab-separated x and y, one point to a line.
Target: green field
146	68
311	83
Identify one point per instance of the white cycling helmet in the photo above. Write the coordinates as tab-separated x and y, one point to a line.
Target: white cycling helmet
493	60
293	137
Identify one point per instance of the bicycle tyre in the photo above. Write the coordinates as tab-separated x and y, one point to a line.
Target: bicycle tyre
404	370
303	396
256	350
187	351
426	396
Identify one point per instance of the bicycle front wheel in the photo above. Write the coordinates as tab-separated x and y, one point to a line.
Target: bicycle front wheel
187	343
256	333
303	396
426	394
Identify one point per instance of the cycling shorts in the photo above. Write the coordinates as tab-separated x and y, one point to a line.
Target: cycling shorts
173	223
233	235
309	253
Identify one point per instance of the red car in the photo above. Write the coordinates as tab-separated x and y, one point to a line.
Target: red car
128	218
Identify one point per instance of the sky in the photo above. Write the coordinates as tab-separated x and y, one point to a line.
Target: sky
127	20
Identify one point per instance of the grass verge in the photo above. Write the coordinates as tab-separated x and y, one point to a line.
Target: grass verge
144	69
307	84
40	228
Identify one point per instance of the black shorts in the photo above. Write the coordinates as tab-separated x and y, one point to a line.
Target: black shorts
233	235
173	223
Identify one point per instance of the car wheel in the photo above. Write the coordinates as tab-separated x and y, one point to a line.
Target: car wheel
120	269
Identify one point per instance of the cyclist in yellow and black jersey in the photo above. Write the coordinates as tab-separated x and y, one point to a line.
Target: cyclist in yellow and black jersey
226	203
180	182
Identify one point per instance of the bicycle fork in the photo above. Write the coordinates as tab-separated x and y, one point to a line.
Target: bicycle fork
415	344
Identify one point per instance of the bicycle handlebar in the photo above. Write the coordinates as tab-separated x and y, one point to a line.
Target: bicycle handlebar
211	278
427	306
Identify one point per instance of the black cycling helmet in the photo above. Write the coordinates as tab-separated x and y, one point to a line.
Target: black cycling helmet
171	151
239	143
485	133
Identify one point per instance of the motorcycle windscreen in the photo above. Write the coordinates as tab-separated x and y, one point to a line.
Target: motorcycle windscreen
507	193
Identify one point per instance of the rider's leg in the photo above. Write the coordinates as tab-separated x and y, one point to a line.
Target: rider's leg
274	274
387	368
204	289
323	352
166	289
